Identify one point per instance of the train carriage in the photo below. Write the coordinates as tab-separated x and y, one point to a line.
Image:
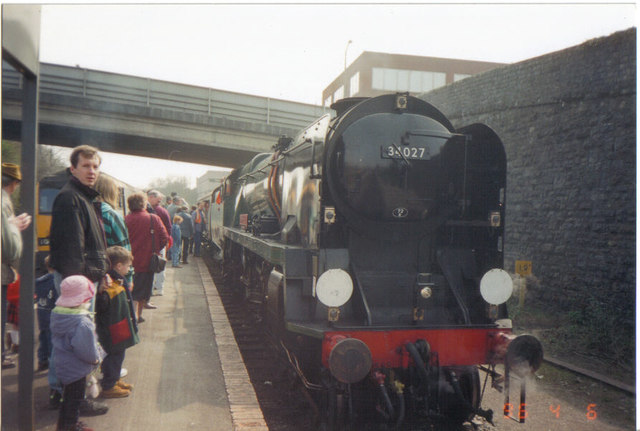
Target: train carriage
374	242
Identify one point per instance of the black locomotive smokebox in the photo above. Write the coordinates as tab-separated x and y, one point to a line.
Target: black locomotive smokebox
343	105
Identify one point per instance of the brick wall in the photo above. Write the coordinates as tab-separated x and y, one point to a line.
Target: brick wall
568	123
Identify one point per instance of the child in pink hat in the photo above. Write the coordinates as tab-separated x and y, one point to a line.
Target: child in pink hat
75	345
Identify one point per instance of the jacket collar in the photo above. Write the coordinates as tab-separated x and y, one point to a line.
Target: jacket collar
89	192
115	276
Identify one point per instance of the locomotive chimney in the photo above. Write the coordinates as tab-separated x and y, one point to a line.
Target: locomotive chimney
343	105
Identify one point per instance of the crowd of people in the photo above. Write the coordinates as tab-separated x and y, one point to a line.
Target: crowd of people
103	269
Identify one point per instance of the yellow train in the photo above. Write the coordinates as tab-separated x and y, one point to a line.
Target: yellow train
47	190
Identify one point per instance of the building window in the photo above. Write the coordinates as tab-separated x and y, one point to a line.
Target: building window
339	94
432	80
390	81
459	76
415	82
403	80
406	80
377	77
354	84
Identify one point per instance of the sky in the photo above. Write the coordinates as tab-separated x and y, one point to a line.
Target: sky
293	51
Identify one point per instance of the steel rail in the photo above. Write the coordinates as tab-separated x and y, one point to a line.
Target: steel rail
591	374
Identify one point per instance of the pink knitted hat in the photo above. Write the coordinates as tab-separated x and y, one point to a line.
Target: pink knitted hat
75	290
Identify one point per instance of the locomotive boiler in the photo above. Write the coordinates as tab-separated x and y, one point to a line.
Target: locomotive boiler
372	244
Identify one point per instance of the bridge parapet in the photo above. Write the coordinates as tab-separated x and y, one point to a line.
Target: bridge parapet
152	93
152	118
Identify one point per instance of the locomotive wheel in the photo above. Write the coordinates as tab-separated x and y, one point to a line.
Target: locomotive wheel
231	273
451	405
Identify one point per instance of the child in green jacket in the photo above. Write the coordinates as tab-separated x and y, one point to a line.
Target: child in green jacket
115	321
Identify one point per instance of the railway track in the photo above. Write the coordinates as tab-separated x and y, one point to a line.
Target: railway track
629	389
282	398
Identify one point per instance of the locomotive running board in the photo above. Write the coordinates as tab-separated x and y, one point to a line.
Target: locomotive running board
290	256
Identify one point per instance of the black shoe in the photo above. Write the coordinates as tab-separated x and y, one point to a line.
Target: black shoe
8	363
92	408
44	365
55	399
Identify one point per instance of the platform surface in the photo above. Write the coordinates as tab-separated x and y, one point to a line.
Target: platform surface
187	371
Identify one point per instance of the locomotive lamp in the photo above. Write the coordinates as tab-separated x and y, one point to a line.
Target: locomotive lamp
425	284
496	286
334	288
426	292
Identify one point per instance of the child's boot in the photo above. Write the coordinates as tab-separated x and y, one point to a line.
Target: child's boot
115	392
124	385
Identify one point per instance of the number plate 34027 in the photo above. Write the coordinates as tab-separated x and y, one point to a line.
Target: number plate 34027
409	152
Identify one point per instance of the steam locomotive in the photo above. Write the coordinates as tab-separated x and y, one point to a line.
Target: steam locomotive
373	246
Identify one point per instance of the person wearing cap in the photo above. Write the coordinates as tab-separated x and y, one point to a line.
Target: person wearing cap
12	225
75	346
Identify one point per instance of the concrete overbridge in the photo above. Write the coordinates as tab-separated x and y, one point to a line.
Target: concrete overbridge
152	118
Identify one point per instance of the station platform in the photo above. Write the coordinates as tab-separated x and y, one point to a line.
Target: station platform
187	370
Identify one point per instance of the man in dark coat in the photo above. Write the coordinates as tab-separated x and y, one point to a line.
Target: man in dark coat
77	239
78	245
